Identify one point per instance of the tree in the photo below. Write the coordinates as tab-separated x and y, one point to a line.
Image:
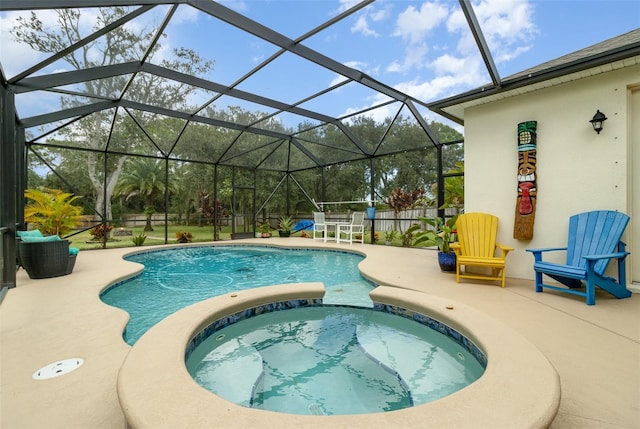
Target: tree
454	187
122	44
400	200
66	173
144	177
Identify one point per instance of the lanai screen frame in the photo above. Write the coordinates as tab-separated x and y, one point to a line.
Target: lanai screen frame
15	145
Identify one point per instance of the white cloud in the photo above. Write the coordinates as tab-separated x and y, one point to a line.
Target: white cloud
373	14
509	31
17	57
426	90
185	14
379	114
235	4
508	55
394	67
512	20
347	4
507	26
452	74
446	64
380	14
257	59
362	26
336	80
415	58
414	24
358	65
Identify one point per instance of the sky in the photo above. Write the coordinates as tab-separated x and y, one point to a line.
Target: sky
422	48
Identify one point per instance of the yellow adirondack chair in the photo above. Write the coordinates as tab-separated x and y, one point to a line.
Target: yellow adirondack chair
477	247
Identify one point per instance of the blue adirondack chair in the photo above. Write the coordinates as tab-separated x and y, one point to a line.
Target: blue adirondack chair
594	240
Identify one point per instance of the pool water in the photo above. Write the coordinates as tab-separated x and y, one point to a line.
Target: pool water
331	360
175	278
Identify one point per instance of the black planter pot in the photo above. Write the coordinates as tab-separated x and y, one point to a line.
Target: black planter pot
447	261
284	233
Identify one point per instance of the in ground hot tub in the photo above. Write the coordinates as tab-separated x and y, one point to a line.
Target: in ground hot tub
519	387
331	360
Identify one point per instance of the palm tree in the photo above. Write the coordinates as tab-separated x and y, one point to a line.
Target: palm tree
144	177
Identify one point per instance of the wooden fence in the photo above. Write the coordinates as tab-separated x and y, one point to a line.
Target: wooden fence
384	219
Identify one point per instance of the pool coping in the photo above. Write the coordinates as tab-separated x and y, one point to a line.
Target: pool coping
155	389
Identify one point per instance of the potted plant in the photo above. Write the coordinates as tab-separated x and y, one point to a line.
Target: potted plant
285	225
46	254
52	211
265	229
442	235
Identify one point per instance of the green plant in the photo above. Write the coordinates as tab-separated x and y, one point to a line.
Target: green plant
138	240
52	210
184	237
285	223
407	236
99	232
390	234
264	227
454	187
442	234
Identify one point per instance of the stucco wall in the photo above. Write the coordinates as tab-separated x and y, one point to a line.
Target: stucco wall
577	169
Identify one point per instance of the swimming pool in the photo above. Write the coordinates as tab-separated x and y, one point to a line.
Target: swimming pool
175	278
332	360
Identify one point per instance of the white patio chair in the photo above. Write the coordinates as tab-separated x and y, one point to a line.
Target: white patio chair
354	230
319	225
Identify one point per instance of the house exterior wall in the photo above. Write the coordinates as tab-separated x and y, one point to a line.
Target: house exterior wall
577	169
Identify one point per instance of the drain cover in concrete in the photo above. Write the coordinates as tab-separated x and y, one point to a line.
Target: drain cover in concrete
58	368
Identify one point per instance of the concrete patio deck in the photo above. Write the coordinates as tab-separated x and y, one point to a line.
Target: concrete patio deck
595	349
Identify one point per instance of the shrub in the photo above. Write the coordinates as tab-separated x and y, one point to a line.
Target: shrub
99	232
184	237
139	239
52	211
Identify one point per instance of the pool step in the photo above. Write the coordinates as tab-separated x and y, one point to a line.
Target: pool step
320	371
429	372
349	293
232	371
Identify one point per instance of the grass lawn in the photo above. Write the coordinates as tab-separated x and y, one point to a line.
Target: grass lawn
85	241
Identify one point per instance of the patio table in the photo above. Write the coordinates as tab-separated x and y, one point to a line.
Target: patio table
336	228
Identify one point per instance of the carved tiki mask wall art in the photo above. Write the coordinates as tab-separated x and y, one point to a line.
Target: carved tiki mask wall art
527	186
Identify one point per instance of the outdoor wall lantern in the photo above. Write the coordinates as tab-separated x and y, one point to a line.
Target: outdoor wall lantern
598	121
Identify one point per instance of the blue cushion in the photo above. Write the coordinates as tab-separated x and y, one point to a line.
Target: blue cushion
31	233
28	239
73	250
